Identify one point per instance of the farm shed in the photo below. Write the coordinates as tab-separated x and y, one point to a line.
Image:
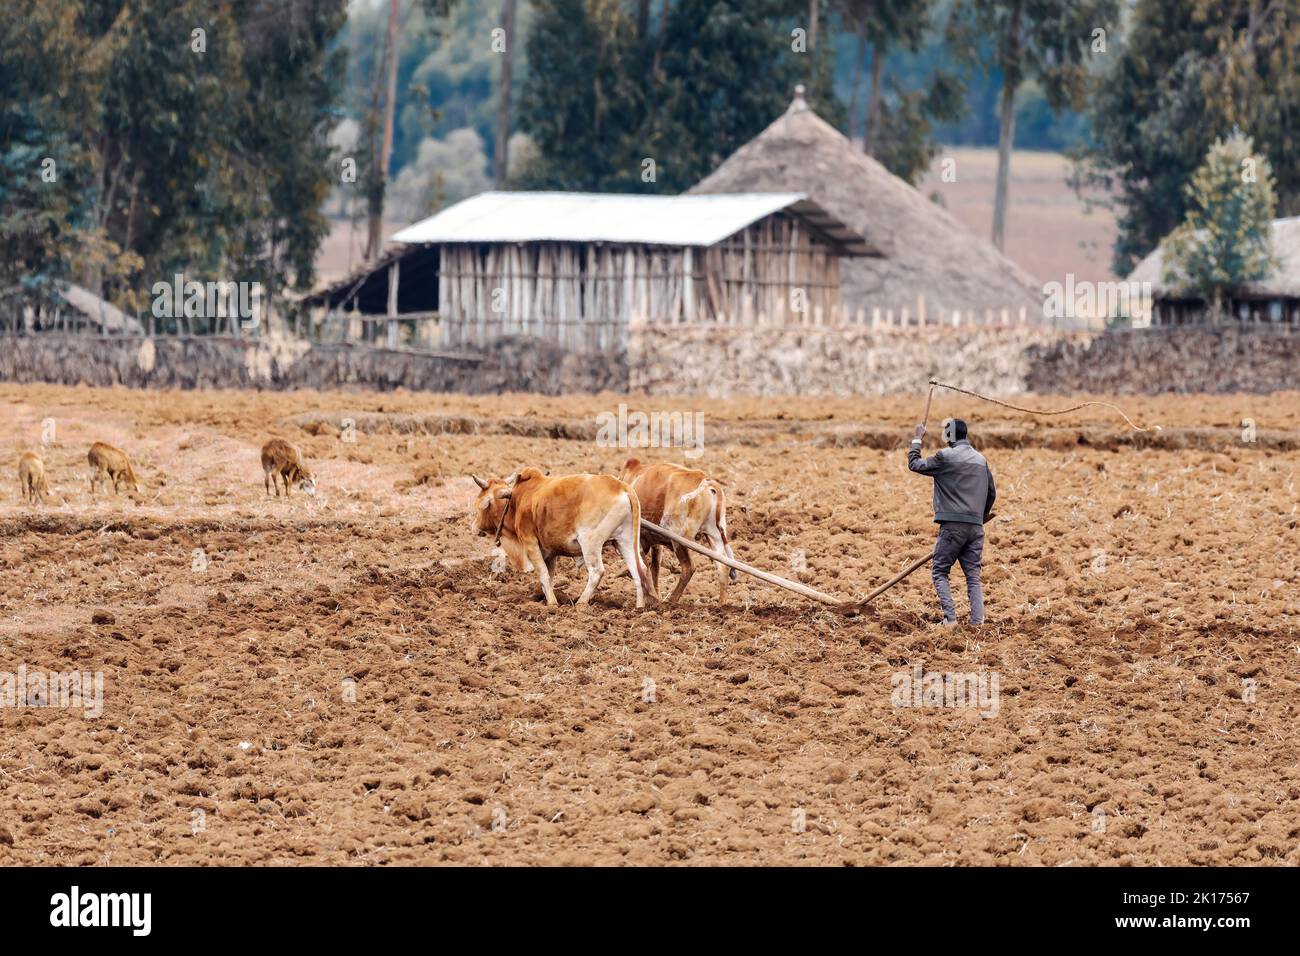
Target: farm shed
385	302
931	265
78	309
1273	299
578	268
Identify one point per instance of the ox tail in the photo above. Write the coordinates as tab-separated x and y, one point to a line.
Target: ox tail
720	510
720	520
646	584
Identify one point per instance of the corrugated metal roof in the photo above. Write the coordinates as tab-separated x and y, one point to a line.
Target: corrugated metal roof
620	218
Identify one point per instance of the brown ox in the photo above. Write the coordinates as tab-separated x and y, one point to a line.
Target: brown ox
538	519
688	502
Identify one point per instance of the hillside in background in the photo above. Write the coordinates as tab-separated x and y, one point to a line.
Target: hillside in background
1050	232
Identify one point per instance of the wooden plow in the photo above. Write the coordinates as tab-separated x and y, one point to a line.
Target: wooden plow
851	608
848	608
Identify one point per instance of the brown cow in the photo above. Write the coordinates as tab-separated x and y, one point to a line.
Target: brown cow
31	478
109	462
282	460
688	502
540	518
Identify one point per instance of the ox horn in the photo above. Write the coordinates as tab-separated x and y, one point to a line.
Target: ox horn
480	482
512	479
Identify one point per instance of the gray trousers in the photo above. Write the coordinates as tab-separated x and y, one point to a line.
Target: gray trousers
963	543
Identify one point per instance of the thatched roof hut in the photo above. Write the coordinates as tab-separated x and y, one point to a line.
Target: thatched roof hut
927	253
1274	298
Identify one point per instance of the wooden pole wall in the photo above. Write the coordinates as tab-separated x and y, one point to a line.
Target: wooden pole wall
583	296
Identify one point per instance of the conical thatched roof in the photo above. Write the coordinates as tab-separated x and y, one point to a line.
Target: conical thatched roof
1282	282
926	251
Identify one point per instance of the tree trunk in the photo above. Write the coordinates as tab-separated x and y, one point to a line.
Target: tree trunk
857	78
501	152
873	103
812	48
376	239
1006	133
1006	128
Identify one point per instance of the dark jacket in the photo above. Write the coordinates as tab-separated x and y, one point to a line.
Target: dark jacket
963	482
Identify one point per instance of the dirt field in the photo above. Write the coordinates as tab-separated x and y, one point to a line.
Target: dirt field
1142	627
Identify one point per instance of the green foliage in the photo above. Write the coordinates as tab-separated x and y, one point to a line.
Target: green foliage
45	169
447	70
601	96
581	102
903	137
905	143
973	121
1224	241
1190	71
177	152
1052	45
727	72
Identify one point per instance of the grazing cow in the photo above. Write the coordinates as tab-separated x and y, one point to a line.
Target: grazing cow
282	460
688	502
109	462
31	478
537	519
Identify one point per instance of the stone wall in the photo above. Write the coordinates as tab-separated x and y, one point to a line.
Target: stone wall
512	364
683	360
853	360
1179	359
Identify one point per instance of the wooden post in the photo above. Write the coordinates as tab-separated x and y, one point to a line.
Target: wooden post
394	276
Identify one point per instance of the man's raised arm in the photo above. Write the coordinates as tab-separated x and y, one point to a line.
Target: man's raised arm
922	466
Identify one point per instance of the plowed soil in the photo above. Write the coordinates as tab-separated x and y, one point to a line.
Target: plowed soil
346	679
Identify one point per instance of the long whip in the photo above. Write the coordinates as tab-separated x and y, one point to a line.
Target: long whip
1034	411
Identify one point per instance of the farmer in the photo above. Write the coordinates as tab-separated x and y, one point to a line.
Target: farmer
963	501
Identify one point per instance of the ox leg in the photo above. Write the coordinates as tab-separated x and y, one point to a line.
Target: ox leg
591	549
624	540
544	573
654	566
717	544
688	569
266	481
550	569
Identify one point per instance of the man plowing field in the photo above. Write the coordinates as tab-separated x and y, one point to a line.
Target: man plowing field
963	500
